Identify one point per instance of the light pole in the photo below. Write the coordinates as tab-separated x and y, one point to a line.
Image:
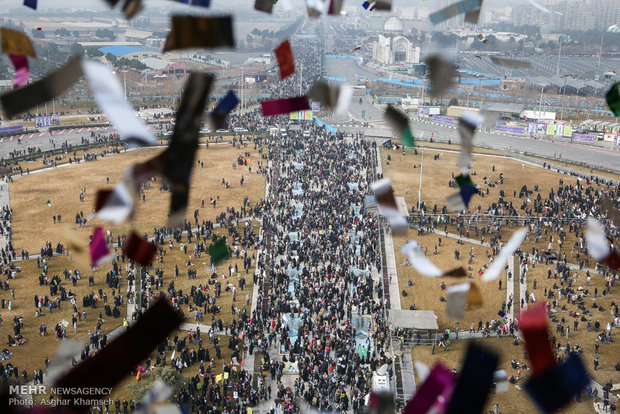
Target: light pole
241	87
557	70
600	52
420	188
564	92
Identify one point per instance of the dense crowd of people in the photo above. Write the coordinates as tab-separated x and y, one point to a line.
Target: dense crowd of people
319	331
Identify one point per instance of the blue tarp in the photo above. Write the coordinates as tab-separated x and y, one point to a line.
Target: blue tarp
363	345
334	79
299	210
297	188
329	128
357	210
119	51
293	323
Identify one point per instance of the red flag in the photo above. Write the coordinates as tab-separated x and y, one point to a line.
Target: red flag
284	54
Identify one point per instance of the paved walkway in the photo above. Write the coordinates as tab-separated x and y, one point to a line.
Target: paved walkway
523	287
379	164
249	359
4	201
390	259
510	289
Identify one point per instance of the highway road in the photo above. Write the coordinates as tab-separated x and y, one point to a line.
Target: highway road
576	152
592	156
43	139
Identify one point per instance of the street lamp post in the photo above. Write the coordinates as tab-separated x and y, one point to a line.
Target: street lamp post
564	92
557	70
600	52
420	188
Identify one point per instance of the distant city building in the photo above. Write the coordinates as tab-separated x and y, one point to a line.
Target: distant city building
394	48
569	15
265	60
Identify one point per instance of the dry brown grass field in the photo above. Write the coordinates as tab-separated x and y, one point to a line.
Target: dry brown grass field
120	391
425	292
437	174
32	219
32	354
68	180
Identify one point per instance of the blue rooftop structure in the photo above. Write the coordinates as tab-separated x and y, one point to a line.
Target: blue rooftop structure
119	51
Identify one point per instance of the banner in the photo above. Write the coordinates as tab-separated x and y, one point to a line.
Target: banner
301	115
550	129
568	131
582	137
511	130
46	121
11	129
443	119
535	128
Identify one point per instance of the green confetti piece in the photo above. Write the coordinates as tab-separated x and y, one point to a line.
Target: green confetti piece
462	180
613	98
218	251
407	139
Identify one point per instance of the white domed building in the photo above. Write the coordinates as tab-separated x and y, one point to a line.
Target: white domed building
393	48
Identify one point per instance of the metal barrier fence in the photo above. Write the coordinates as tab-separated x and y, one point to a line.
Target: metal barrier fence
490	219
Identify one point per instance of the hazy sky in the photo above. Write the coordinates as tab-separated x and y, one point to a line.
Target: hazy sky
216	4
230	6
